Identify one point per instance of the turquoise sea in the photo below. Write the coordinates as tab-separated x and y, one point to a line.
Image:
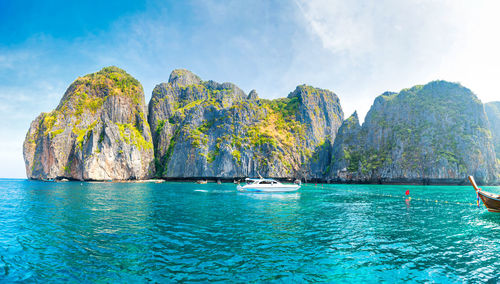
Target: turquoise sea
104	232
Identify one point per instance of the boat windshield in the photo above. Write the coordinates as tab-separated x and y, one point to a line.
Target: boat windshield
261	181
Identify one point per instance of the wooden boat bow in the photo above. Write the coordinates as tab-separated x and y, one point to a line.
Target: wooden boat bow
491	201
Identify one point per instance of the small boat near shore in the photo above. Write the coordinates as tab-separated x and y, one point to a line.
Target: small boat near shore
266	185
490	200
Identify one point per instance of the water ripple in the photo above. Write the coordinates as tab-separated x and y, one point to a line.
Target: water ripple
92	232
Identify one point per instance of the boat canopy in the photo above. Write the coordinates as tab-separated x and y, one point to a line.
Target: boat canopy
261	180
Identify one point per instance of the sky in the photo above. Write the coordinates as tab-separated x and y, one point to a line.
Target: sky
358	49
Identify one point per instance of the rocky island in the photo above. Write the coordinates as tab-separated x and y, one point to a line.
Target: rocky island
99	131
436	133
207	129
191	129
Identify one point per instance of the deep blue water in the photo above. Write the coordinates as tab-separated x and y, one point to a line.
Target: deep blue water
94	232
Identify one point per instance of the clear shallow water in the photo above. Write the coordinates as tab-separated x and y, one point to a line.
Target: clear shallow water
90	232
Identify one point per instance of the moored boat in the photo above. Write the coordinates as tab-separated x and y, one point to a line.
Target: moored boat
490	200
266	185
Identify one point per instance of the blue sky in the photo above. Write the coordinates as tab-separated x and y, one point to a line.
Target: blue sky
358	49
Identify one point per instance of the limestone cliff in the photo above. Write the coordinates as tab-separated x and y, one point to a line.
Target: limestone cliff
436	133
207	129
99	131
493	112
432	133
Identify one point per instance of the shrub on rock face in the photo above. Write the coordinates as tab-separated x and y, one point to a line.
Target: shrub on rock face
99	131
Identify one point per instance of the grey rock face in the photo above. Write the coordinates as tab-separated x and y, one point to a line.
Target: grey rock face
348	140
253	95
493	112
434	133
98	132
207	129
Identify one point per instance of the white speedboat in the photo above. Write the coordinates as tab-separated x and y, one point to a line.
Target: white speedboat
266	185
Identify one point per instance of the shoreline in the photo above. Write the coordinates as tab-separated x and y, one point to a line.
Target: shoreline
399	181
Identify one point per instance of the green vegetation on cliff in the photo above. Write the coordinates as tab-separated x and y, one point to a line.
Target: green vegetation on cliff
131	135
87	95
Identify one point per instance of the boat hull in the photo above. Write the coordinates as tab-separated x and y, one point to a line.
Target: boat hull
490	202
282	188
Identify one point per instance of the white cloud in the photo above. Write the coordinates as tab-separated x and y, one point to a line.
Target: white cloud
390	45
340	27
474	59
